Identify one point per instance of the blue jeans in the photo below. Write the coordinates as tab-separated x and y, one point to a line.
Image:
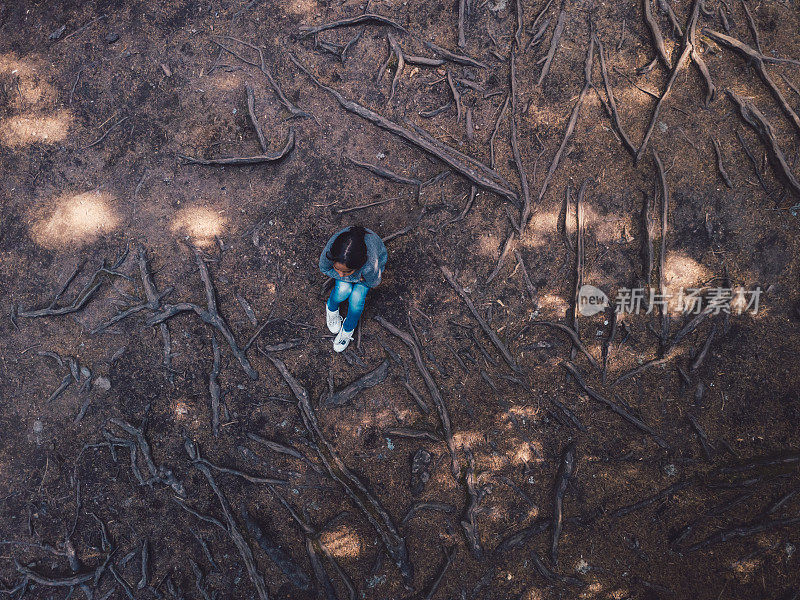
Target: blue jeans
357	294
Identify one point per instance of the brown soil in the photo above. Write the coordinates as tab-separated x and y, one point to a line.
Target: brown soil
164	87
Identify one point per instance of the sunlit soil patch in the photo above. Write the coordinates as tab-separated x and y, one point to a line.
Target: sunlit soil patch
531	594
28	86
342	542
201	224
628	98
683	271
467	439
593	590
302	7
380	418
745	568
226	81
539	227
605	229
24	130
76	220
181	410
526	453
488	245
524	412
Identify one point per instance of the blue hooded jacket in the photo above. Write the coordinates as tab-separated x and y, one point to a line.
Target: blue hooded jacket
370	273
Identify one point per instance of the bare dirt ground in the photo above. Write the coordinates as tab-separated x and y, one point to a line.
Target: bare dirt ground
117	482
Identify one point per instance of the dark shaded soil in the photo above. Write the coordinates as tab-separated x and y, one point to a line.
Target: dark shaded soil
71	197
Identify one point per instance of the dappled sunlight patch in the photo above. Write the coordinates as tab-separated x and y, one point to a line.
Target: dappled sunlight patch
539	227
384	417
181	410
531	594
604	229
200	223
521	412
28	88
9	63
683	272
522	454
525	453
746	566
23	130
76	220
31	98
487	245
467	439
544	222
342	542
404	414
551	302
540	113
302	7
592	590
223	80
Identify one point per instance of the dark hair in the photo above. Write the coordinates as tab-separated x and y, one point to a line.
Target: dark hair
349	248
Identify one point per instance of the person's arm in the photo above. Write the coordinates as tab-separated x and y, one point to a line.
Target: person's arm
325	264
383	255
373	270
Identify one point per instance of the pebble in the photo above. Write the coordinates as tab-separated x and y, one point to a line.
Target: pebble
582	567
38	428
111	38
58	32
103	383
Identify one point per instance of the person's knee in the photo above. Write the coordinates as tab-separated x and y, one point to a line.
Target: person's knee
342	290
358	298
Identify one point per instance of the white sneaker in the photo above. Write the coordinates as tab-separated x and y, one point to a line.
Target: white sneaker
342	340
334	319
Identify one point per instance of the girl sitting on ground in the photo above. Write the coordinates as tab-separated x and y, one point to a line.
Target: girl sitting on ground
355	258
